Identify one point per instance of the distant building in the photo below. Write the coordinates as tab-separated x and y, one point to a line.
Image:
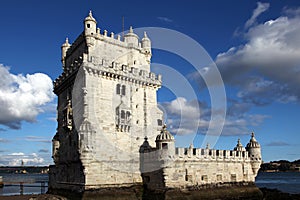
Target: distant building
107	104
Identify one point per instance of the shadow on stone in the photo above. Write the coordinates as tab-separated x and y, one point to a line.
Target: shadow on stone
139	193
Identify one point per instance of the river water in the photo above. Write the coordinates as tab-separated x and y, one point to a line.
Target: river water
288	182
16	184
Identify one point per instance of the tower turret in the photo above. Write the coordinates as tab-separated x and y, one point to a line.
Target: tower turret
146	43
165	141
253	147
90	29
90	25
239	146
64	48
131	38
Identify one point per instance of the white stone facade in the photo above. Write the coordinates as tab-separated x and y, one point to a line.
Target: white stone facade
107	105
168	167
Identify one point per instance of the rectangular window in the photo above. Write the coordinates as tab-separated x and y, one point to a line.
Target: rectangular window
204	178
123	90
118	89
233	177
219	177
164	145
159	122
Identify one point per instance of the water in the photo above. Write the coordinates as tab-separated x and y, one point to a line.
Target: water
18	184
288	182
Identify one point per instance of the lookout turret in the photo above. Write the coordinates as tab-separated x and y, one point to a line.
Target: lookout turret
90	25
253	147
131	38
239	146
165	141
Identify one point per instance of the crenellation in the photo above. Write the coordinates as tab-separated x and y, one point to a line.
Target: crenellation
211	154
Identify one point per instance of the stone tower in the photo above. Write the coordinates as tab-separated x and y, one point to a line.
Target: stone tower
253	147
106	106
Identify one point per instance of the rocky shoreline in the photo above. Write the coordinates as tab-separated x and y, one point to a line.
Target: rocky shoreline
221	193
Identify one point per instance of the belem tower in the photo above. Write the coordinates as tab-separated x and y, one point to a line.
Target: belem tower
110	131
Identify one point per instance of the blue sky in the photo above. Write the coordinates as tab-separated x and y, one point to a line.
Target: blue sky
255	45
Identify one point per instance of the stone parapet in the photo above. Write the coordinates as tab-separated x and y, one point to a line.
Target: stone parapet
211	154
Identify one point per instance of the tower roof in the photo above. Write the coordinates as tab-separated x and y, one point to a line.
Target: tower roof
131	33
90	17
145	38
164	135
66	44
253	143
239	146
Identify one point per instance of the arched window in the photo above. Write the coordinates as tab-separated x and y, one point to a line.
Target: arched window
118	89
123	90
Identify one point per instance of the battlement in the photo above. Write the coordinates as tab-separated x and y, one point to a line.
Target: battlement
114	70
211	154
111	40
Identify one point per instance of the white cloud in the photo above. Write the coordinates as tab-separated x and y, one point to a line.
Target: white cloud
261	7
16	159
17	154
277	143
184	118
37	139
2	140
22	97
267	67
165	19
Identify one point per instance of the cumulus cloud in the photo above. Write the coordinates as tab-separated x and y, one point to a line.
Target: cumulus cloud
267	67
22	97
190	117
16	159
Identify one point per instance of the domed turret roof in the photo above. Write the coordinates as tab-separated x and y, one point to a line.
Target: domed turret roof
253	143
66	44
164	135
145	38
145	146
90	17
239	146
131	33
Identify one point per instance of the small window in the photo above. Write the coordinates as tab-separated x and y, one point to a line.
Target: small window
122	114
136	106
159	122
219	177
88	25
233	177
204	178
127	116
118	89
123	90
164	145
134	62
137	121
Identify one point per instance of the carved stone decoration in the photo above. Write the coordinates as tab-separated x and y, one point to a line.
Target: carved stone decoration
68	116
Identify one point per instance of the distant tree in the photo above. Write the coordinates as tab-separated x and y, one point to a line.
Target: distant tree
284	166
297	161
